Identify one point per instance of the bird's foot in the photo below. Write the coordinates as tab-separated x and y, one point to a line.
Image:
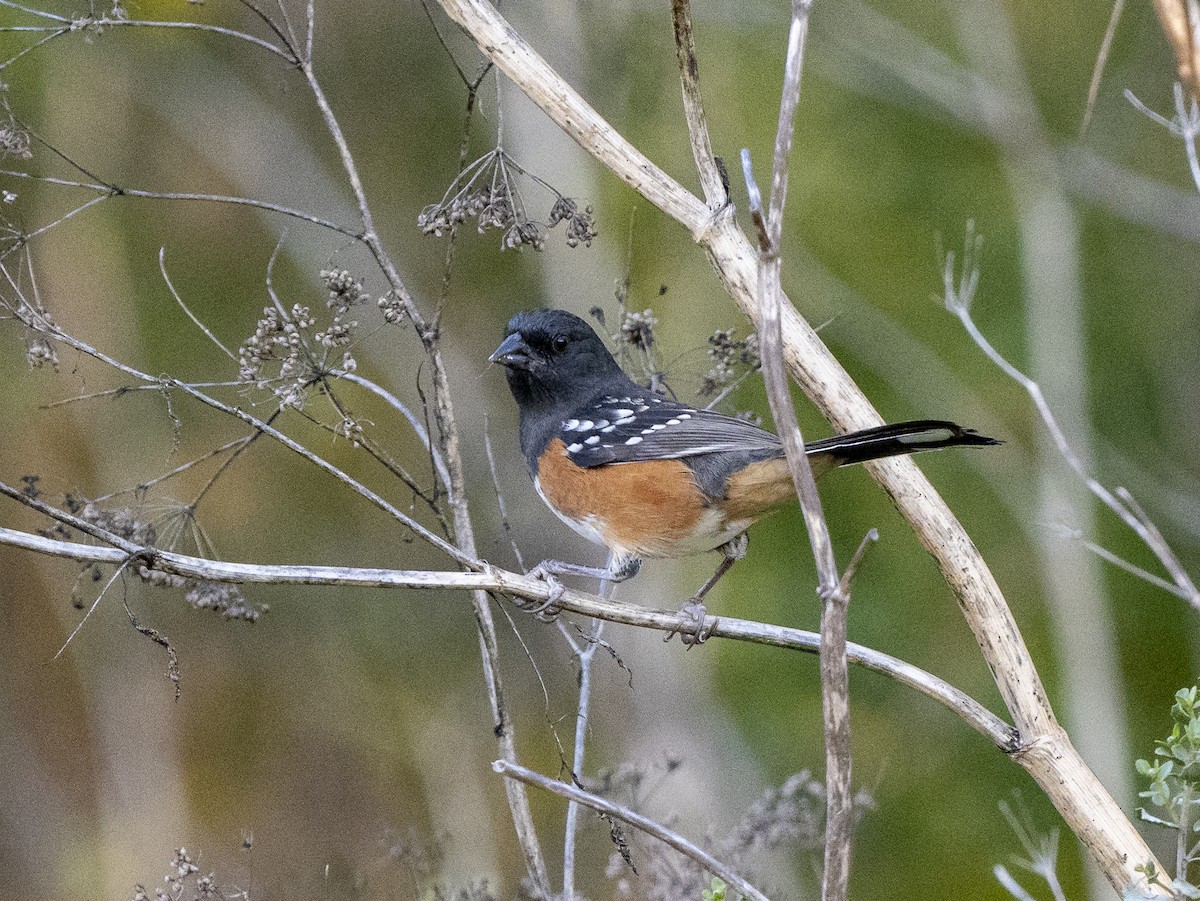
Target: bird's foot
548	571
693	628
547	610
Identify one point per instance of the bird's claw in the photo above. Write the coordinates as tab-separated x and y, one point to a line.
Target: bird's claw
548	610
692	629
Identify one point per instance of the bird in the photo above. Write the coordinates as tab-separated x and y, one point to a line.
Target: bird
650	477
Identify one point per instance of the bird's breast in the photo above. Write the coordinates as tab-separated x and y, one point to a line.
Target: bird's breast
644	509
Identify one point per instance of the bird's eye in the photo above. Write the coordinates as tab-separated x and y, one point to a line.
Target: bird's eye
559	343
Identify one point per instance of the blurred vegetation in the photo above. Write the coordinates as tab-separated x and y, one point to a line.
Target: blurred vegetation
344	718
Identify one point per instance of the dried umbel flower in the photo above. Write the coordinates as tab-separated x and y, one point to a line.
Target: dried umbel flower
730	358
14	141
637	329
344	290
39	352
525	234
275	338
279	340
392	308
579	225
487	192
226	600
183	884
351	429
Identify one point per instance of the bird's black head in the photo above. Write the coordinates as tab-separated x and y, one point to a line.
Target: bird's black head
555	361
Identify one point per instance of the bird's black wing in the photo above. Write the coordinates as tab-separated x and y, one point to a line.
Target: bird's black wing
638	427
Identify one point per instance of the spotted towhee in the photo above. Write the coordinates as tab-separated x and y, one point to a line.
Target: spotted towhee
648	476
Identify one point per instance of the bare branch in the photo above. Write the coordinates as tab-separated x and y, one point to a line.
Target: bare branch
834	591
715	191
464	534
662	833
959	287
491	578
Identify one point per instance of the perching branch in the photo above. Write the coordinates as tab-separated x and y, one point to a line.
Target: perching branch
492	578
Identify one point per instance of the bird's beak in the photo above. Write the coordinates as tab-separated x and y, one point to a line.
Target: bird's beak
513	352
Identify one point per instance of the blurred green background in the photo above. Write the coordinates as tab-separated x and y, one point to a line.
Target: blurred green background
347	721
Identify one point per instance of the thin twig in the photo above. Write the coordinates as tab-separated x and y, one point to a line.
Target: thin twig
129	389
95	24
111	191
45	39
396	404
26	237
959	284
501	506
143	487
584	656
739	885
162	267
1101	59
96	603
1185	125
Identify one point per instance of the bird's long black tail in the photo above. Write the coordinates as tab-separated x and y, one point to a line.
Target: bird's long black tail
893	440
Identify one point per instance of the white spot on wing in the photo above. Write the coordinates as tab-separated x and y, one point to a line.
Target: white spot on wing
594	439
625	420
608	428
574	448
621	414
672	422
657	427
634	440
